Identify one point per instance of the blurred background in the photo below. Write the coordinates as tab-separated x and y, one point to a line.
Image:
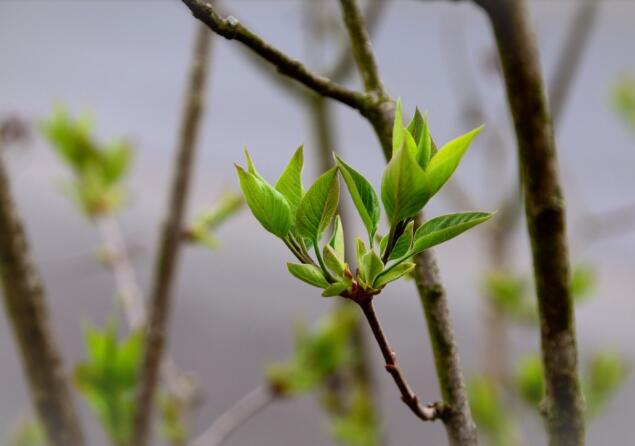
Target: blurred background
125	62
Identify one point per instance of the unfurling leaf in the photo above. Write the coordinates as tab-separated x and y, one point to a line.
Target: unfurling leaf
392	274
363	195
332	261
337	239
445	161
290	182
267	204
403	243
337	288
445	227
310	274
370	266
405	187
397	129
360	249
318	206
418	127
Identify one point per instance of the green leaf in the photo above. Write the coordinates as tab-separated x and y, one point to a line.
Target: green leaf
337	288
383	243
445	227
332	261
363	195
337	239
318	206
418	127
397	129
251	168
404	242
267	204
290	182
530	380
445	161
360	249
393	274
310	274
370	266
404	188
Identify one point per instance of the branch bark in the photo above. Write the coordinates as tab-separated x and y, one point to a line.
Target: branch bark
426	413
170	237
24	302
544	207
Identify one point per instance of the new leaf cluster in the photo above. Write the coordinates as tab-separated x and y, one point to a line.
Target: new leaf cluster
301	218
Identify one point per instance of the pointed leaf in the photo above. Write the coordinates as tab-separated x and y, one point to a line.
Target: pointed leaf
393	274
363	195
403	244
318	206
383	243
445	227
267	204
290	182
446	160
404	187
337	239
251	168
310	274
360	249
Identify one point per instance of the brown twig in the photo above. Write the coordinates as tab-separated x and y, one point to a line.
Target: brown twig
232	29
170	237
24	301
544	207
237	415
426	413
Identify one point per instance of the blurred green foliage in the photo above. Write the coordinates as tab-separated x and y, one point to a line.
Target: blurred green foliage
27	432
623	98
98	170
108	379
201	229
490	411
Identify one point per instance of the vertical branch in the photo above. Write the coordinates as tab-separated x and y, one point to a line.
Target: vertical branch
544	207
23	297
457	417
169	243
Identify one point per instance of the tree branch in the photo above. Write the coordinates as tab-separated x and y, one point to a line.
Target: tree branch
426	413
170	237
231	29
544	207
237	415
24	302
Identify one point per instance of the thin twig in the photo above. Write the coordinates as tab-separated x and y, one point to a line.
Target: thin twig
544	207
170	237
24	302
232	29
426	413
237	415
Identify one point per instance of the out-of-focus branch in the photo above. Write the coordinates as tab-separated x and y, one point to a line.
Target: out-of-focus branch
570	56
544	207
237	415
170	238
24	302
231	29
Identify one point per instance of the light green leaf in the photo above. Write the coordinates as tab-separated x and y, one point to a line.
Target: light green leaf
290	182
363	195
337	239
336	289
310	274
267	204
405	187
418	127
445	161
332	261
398	128
360	248
393	274
445	227
251	168
403	244
383	243
318	206
370	266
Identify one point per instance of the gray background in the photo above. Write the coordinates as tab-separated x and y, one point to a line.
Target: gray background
126	61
